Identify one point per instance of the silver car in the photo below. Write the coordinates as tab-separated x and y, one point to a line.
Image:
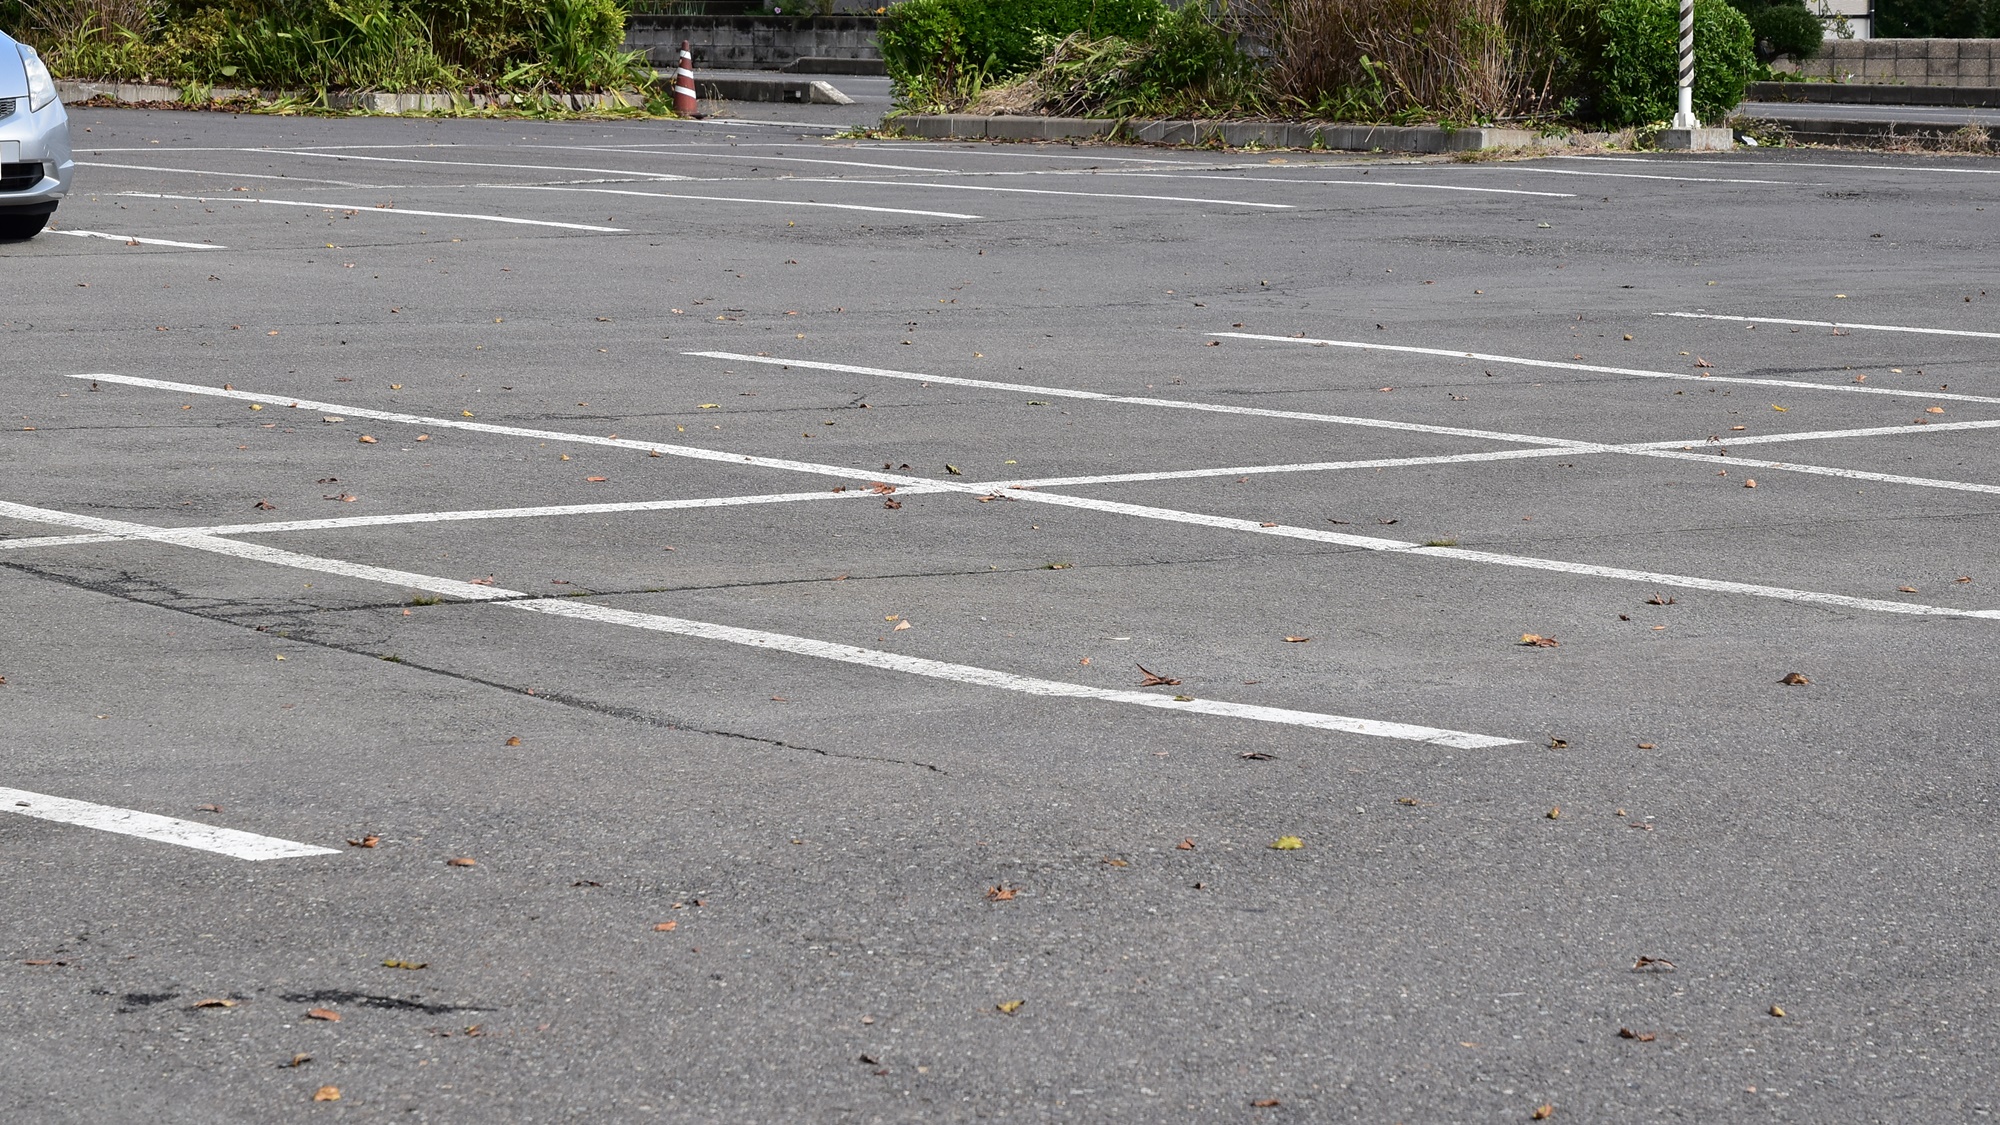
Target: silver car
35	166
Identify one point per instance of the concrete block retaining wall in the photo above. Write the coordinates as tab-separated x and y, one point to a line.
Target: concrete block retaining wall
751	42
1908	62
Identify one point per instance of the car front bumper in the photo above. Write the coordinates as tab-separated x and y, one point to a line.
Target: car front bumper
38	137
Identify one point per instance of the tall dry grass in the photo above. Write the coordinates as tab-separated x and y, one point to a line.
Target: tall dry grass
1388	58
67	19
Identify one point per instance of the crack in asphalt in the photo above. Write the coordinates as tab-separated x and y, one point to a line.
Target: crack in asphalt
127	586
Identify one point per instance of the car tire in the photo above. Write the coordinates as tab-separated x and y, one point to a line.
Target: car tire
18	228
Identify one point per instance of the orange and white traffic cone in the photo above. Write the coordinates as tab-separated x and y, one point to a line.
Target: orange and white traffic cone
684	101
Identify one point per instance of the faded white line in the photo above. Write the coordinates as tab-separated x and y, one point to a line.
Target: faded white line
838	472
1307	467
733	199
150	826
473	164
1141	400
761	639
371	209
1333	183
1045	191
1832	324
224	175
756	159
1035	496
130	239
1641	176
1559	365
1733	161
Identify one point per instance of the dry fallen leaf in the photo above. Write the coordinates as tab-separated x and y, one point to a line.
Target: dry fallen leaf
366	440
327	1014
1641	1036
1653	964
264	506
1777	1011
1265	1103
213	1002
900	626
1934	410
1794	679
395	964
1001	893
1554	813
1286	844
513	740
1297	640
1646	746
1186	844
1749	484
1154	679
665	927
596	480
1558	743
1010	1006
299	1060
365	842
1534	640
1907	589
1658	600
1545	1111
462	861
892	504
326	1093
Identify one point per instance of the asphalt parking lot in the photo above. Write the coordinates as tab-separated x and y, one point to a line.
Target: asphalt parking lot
711	622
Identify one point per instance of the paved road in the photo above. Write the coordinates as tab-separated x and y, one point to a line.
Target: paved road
807	630
1914	114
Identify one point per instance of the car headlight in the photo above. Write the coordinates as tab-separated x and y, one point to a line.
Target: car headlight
41	87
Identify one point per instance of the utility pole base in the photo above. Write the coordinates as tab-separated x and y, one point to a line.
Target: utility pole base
1698	140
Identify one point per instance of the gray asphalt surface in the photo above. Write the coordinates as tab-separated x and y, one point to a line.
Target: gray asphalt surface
992	887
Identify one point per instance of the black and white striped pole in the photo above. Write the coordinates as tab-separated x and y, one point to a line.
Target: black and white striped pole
1685	132
1684	118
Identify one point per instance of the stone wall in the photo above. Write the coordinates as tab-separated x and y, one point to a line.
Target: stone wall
1908	62
751	42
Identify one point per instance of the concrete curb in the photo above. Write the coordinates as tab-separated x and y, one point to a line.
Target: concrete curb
797	90
136	93
1867	134
1233	134
1855	93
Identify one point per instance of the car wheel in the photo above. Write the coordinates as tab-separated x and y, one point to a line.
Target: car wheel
14	228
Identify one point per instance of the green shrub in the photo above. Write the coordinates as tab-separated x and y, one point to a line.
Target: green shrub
939	52
1630	72
1938	19
399	45
1782	28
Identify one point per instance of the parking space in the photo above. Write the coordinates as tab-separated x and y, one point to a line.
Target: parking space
689	620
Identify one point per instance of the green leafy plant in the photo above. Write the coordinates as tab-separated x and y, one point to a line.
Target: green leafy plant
1782	28
1633	60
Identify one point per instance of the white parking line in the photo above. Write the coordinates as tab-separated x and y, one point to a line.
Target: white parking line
473	164
1044	191
734	199
149	826
131	239
1641	176
1831	324
1142	400
1809	597
223	175
371	209
758	638
1733	161
1789	384
1333	183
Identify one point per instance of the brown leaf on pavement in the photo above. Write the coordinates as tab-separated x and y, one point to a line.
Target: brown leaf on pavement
665	927
213	1002
1545	1111
1536	640
327	1014
1154	679
1793	679
327	1094
462	861
1002	892
365	842
1640	1036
